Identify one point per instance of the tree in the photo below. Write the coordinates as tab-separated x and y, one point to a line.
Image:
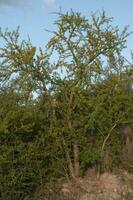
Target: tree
82	46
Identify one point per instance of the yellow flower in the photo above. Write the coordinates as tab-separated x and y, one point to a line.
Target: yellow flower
28	55
25	57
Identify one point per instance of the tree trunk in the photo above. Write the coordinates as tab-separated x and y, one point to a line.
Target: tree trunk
73	166
76	159
69	161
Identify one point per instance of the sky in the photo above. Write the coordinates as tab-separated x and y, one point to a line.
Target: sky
35	16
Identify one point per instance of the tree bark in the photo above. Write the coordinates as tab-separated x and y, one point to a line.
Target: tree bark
73	165
76	159
69	161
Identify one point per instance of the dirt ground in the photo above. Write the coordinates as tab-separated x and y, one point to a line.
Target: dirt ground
108	186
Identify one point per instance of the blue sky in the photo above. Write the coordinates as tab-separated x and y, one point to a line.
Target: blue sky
34	16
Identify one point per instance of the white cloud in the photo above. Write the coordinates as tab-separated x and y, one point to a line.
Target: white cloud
48	3
12	2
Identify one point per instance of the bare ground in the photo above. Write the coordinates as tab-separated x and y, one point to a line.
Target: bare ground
108	186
